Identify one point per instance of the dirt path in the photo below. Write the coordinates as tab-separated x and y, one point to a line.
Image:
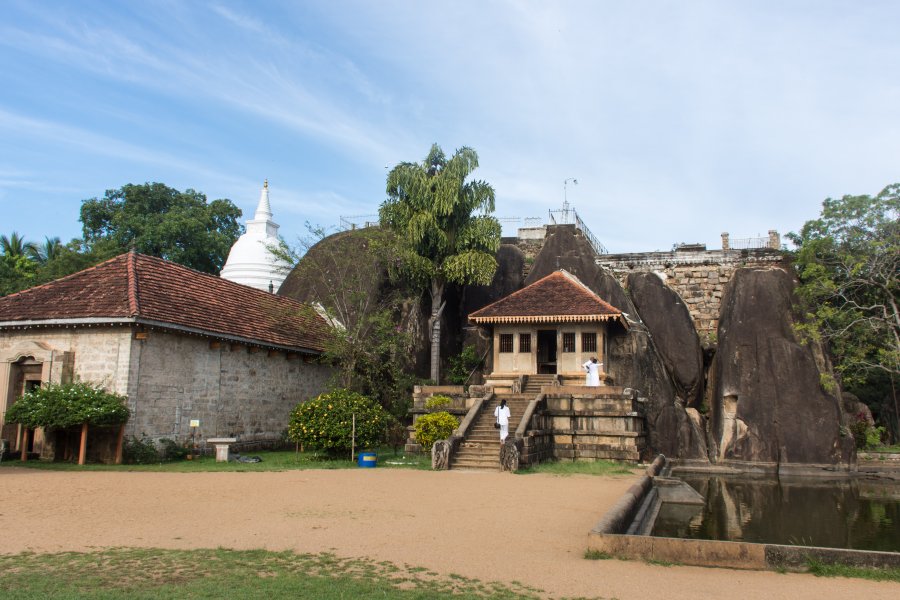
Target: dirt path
491	526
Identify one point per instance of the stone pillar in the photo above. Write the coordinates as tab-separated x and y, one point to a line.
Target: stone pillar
725	242
774	240
222	447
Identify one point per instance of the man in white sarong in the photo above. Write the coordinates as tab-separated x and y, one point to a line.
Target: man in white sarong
592	370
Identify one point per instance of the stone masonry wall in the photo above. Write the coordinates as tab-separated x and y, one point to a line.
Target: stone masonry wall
101	354
699	277
696	274
234	391
171	378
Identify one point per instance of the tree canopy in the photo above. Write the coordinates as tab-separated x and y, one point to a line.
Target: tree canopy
444	223
848	262
160	221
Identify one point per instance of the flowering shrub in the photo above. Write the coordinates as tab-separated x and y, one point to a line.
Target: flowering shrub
326	422
433	427
57	406
438	401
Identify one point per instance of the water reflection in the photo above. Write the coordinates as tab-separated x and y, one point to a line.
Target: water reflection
835	514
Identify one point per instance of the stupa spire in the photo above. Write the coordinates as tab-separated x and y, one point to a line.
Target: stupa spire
263	209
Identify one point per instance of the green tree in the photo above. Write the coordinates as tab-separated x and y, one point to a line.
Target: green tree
447	233
17	269
47	251
15	246
160	221
346	276
848	262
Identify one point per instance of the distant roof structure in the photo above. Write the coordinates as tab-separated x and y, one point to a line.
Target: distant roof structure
250	261
558	297
140	289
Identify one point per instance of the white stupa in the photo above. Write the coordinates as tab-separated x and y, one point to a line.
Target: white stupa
250	262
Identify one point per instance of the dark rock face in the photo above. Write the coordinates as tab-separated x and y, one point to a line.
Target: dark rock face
768	404
672	328
507	279
633	359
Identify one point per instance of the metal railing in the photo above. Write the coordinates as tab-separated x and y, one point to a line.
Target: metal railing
749	243
567	215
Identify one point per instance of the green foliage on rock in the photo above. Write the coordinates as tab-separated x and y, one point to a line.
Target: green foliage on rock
326	422
57	406
444	224
438	401
433	427
347	274
848	261
462	365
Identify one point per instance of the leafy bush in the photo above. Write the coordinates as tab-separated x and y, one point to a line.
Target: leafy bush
140	451
326	422
396	435
438	401
171	450
866	435
58	406
462	365
433	427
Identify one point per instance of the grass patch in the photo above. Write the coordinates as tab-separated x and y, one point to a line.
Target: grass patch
660	563
594	554
599	467
145	574
884	449
820	569
285	460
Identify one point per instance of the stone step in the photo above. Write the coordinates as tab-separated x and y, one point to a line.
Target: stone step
472	463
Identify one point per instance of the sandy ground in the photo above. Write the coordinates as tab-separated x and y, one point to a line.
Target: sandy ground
491	526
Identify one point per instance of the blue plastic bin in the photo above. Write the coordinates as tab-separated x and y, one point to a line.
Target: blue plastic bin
367	460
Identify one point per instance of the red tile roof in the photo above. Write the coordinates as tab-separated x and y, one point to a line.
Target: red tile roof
143	289
559	296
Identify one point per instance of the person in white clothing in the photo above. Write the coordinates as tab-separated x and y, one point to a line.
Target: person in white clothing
592	370
502	414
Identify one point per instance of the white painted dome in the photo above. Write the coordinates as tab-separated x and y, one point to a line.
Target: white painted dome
250	262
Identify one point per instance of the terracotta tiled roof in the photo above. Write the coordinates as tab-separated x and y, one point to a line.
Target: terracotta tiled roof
143	289
559	296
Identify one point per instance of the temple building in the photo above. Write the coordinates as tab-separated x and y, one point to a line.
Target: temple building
196	355
250	261
551	327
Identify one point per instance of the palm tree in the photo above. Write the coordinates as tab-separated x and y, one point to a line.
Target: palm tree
446	225
47	251
15	245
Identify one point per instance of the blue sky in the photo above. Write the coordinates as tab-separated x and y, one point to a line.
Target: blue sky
679	119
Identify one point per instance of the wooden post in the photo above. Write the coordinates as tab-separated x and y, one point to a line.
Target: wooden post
120	441
24	444
82	452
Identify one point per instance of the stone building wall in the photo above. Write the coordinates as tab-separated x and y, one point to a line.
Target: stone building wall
171	378
698	276
232	389
100	354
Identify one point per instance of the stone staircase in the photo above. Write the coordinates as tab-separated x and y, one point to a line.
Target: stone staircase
534	382
481	448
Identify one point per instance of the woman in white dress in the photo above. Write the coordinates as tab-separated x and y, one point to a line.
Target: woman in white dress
592	369
502	414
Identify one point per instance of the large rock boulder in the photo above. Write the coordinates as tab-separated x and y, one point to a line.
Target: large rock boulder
633	360
768	404
670	324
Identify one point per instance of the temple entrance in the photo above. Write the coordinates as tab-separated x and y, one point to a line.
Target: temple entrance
546	351
25	375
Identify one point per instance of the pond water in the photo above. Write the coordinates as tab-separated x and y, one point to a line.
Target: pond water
856	514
